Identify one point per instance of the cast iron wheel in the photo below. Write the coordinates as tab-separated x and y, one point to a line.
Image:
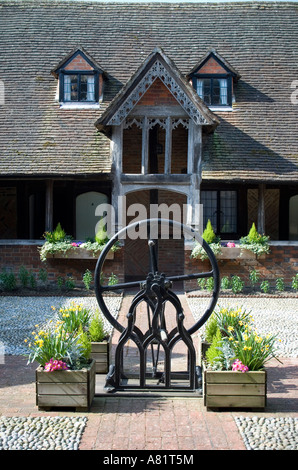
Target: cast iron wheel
100	289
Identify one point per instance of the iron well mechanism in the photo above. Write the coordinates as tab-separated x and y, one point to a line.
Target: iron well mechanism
156	295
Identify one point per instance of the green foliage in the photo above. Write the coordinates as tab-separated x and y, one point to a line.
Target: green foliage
198	251
43	275
211	328
225	283
23	276
49	344
212	240
8	280
237	284
60	282
69	283
87	279
280	284
265	286
254	277
113	280
202	282
295	282
232	336
254	350
74	317
101	236
32	280
230	320
96	329
210	283
258	244
57	235
253	235
208	234
84	341
214	356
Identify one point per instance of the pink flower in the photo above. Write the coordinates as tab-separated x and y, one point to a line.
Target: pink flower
54	364
238	366
231	244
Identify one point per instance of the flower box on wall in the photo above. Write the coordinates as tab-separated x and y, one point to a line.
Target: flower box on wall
65	388
100	353
230	389
236	253
79	253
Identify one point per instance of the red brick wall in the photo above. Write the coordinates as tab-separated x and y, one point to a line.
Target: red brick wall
157	95
281	262
12	257
78	63
212	66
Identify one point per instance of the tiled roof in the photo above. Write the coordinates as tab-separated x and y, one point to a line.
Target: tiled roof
257	141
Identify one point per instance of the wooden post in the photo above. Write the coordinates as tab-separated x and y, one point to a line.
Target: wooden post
261	208
168	146
49	206
145	137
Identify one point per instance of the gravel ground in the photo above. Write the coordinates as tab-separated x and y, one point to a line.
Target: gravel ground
20	315
276	316
41	433
268	433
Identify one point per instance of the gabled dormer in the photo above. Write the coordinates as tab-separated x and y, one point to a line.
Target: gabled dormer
213	78
80	80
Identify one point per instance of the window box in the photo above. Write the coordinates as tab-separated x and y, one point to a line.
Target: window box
78	253
237	253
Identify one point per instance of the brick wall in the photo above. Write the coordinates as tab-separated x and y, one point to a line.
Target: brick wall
212	66
79	63
12	257
157	95
281	262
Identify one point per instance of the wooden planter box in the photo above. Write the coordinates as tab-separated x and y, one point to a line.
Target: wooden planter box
79	253
228	389
237	253
100	353
202	348
65	388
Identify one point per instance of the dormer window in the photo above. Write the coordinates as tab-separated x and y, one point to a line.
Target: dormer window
214	91
79	87
213	79
80	80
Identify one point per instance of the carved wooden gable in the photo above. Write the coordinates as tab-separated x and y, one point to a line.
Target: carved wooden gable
158	71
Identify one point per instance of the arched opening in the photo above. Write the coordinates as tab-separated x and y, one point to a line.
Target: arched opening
170	249
86	220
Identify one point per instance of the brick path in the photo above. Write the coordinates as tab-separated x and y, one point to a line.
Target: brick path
120	423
